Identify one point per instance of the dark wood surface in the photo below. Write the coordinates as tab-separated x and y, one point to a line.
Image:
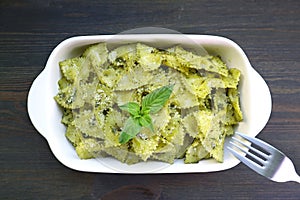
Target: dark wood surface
268	31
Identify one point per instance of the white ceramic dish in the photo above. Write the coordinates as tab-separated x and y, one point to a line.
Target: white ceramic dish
46	115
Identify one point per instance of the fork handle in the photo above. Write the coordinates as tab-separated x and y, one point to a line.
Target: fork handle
296	178
288	174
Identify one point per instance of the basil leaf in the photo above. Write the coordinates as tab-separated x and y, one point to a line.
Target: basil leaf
140	117
124	137
154	101
131	129
132	107
146	121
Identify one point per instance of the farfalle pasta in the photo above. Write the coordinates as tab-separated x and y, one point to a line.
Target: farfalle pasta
201	111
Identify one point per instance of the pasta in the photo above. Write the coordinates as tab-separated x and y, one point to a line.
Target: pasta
202	110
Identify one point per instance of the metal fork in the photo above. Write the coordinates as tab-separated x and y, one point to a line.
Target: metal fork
263	158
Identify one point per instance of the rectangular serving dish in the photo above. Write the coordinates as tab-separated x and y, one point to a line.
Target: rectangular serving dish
45	114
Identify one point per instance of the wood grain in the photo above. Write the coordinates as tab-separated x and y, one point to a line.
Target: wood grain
268	31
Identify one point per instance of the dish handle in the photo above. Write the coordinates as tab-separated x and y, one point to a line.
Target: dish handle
261	100
36	104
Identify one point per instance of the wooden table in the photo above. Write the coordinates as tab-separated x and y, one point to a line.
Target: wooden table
268	31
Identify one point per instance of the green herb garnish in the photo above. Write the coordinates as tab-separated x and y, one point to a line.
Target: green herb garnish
140	115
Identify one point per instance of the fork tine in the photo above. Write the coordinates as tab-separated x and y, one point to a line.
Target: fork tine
239	144
268	148
256	167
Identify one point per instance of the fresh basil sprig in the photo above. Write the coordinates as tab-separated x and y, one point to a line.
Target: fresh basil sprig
140	115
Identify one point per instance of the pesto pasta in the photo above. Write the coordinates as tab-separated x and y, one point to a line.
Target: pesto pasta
200	111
